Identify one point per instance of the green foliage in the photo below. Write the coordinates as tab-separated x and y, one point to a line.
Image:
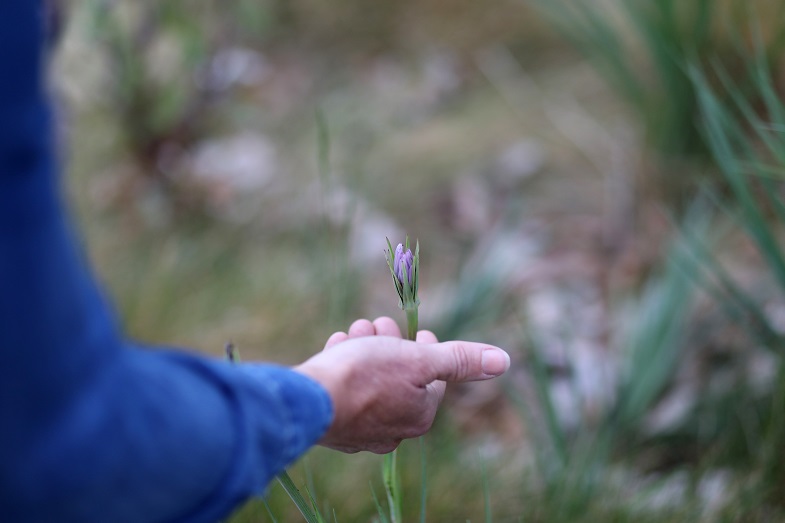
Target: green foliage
309	511
742	165
574	466
748	146
642	45
653	332
645	49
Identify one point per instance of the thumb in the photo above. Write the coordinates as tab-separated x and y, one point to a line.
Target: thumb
465	361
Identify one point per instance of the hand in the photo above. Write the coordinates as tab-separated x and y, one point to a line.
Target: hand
385	389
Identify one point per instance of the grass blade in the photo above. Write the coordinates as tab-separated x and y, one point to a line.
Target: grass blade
423	481
269	510
382	516
294	493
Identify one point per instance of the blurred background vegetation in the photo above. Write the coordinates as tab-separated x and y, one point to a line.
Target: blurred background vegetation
596	186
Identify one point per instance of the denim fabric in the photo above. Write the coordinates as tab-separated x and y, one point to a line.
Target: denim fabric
93	427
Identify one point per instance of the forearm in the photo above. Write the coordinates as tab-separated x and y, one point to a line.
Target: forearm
164	436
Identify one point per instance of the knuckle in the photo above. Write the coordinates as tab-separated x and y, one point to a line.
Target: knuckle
461	361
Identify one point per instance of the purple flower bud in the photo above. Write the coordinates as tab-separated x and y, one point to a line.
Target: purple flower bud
404	269
403	259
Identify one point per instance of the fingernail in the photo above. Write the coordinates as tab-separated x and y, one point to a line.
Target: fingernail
495	362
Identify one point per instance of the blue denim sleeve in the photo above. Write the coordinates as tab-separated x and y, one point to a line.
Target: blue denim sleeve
95	428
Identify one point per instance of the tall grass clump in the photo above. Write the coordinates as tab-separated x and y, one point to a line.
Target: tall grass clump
743	120
734	421
642	47
639	45
575	466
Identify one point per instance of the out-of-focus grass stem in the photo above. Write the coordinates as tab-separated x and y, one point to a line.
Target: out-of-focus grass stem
392	485
423	481
310	513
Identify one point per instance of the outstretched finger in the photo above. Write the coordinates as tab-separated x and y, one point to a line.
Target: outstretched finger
463	361
335	338
385	326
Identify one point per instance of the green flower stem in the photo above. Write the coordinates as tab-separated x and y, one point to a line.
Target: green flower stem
392	479
412	322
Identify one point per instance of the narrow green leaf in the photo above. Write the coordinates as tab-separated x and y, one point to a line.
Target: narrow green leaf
269	510
379	510
294	493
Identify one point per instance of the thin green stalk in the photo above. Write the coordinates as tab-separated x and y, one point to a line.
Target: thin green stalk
412	323
424	484
269	511
392	485
382	515
392	479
